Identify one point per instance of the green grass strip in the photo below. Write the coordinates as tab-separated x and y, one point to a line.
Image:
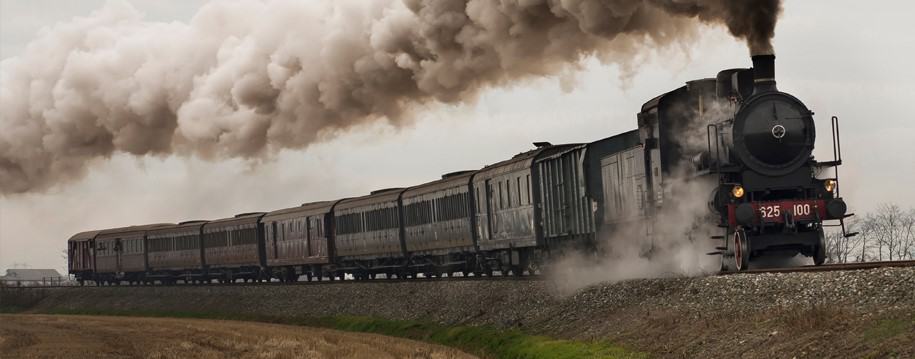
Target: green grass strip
484	341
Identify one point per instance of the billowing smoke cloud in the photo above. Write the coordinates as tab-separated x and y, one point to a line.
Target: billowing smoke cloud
246	78
678	245
752	20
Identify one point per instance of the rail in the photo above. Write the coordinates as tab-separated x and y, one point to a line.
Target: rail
829	267
44	282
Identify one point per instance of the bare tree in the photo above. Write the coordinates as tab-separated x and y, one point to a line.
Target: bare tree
887	234
888	227
841	249
907	233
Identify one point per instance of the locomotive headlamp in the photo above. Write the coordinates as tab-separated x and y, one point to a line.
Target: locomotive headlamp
737	191
829	185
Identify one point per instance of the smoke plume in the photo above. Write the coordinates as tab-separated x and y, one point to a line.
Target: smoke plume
247	79
679	240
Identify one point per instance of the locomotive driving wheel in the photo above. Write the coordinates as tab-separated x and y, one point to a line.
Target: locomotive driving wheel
741	247
819	252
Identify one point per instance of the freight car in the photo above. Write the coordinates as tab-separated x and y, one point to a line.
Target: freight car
737	132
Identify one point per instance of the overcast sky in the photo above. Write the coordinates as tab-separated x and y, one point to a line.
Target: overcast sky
841	58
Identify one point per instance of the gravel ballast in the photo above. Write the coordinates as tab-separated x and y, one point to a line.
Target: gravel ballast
676	317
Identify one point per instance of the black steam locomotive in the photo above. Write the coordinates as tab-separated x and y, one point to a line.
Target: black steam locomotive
768	197
752	143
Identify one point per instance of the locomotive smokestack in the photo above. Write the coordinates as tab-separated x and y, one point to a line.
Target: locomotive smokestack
764	73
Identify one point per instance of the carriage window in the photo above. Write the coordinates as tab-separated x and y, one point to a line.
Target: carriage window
529	201
443	206
501	197
518	187
477	199
508	193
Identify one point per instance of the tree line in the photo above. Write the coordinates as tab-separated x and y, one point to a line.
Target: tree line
887	234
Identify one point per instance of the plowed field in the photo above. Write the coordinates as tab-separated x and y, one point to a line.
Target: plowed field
49	336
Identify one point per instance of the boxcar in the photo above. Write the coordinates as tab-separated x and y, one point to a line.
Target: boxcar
438	225
297	241
624	184
120	253
175	252
81	256
583	187
234	248
507	225
367	235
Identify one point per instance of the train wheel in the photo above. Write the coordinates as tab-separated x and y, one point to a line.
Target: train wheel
741	250
819	253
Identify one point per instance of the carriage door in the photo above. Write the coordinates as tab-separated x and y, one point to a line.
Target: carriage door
119	253
489	212
271	236
310	238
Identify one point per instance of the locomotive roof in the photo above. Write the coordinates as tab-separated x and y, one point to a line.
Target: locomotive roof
244	218
307	209
657	100
115	232
448	181
84	236
521	160
386	196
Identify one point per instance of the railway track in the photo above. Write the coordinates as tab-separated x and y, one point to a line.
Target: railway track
314	282
807	268
829	267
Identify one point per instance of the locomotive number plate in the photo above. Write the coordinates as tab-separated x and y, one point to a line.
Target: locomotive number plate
770	212
799	210
777	211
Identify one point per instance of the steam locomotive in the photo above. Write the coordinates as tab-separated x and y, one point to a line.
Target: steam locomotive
754	148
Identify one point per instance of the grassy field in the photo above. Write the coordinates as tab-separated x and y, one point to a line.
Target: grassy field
485	342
